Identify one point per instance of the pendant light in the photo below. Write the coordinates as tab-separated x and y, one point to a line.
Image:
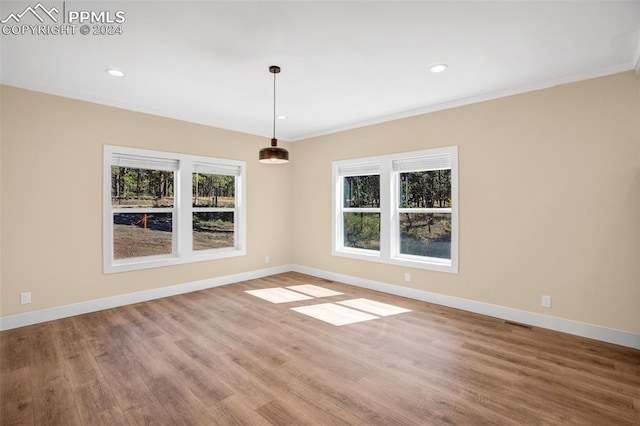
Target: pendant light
274	154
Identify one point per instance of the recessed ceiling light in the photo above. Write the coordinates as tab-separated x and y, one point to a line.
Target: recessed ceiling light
282	117
439	67
114	72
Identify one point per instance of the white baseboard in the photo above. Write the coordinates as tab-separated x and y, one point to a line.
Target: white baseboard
605	334
34	317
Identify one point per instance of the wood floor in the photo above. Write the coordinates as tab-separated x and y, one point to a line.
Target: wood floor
221	356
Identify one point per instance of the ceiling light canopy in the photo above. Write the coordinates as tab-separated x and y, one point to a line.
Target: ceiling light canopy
438	68
274	154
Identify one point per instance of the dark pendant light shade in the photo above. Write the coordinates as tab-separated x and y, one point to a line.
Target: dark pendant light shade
274	154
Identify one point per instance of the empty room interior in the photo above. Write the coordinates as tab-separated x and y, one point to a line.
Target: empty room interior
320	213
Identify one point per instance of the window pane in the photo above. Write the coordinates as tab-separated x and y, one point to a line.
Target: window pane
361	191
425	189
362	230
213	230
426	234
213	190
138	235
137	188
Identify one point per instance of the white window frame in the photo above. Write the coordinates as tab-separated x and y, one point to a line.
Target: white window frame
390	210
348	170
182	210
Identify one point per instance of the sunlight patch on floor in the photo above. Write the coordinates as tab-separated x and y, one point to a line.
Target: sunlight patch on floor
373	307
340	313
314	290
278	295
334	314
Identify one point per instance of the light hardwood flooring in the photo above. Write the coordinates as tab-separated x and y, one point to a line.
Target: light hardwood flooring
222	356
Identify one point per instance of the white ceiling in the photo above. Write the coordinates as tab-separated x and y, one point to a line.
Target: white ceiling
344	64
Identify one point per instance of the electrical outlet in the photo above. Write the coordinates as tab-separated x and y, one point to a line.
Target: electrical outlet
267	259
545	301
25	298
407	276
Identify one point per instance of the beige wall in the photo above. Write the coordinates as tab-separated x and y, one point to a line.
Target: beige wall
549	199
51	183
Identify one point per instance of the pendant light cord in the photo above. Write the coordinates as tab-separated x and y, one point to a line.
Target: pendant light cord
274	105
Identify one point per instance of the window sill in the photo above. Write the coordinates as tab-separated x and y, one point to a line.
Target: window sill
439	265
135	264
